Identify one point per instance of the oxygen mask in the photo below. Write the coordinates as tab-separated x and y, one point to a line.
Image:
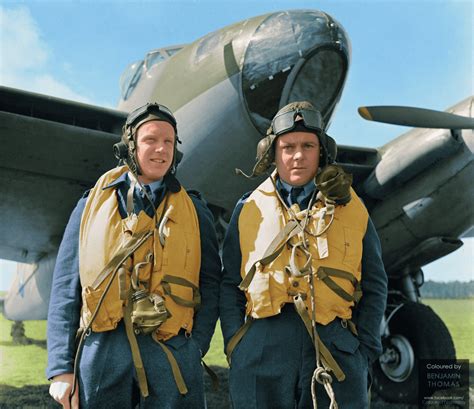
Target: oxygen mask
334	184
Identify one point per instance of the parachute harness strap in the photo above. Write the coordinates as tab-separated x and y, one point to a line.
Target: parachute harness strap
320	374
116	267
111	269
162	232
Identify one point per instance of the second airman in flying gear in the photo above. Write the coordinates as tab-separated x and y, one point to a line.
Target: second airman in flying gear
304	287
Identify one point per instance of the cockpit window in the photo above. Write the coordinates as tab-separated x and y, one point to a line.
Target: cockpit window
215	41
157	56
173	51
309	63
130	78
153	58
320	80
208	43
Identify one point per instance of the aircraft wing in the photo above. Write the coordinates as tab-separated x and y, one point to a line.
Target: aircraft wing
52	151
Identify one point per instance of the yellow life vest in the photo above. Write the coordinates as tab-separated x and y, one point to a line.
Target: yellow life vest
103	233
337	267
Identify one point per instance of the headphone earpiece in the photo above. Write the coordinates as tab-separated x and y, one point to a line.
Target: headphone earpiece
179	157
120	151
265	154
265	147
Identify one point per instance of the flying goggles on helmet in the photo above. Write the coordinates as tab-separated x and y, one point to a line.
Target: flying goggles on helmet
287	121
295	116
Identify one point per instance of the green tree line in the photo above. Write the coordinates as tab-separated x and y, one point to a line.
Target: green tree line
452	289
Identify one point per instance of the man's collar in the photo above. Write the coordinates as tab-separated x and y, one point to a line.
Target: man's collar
154	186
124	179
308	187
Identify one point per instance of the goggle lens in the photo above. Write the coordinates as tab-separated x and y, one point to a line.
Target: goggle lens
287	121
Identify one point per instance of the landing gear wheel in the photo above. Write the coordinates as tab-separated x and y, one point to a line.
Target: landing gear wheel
416	333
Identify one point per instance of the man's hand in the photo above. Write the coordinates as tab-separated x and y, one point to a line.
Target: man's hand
60	390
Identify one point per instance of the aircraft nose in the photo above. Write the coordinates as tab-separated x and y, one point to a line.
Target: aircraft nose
293	56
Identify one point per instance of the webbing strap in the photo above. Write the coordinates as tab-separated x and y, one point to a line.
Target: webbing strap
137	359
135	278
84	331
130	191
352	327
161	225
291	229
122	254
169	279
324	274
178	378
236	338
326	358
123	288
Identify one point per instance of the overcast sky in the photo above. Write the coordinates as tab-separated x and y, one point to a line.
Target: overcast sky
411	52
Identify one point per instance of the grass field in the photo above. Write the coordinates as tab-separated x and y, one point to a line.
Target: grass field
23	384
25	364
458	315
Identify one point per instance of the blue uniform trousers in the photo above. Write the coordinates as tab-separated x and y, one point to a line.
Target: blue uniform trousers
273	364
107	377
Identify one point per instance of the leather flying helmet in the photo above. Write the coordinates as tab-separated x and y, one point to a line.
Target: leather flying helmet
125	150
295	116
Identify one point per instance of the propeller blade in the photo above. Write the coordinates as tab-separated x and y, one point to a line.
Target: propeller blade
415	117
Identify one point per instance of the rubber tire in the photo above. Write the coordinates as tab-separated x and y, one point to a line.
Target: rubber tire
429	338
